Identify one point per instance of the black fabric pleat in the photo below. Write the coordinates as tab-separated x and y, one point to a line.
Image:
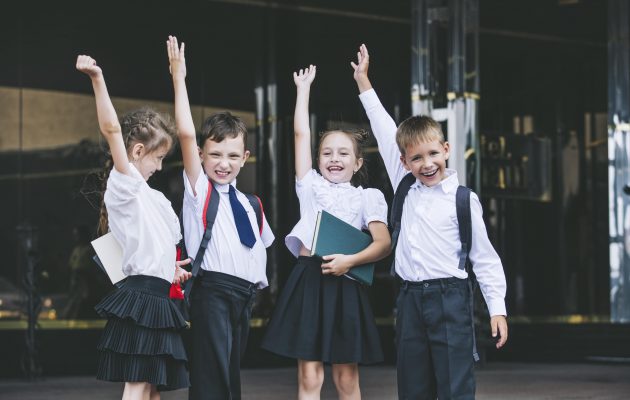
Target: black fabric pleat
323	318
141	341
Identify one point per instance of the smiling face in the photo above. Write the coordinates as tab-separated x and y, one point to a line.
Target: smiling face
337	158
426	161
222	161
147	163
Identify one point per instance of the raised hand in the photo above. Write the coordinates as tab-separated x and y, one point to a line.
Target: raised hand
87	65
361	69
176	58
363	62
305	77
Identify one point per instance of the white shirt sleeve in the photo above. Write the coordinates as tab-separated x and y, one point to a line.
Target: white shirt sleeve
267	236
304	186
201	189
375	207
122	187
486	262
384	129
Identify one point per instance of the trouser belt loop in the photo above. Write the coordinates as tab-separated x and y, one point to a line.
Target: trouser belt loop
443	285
472	319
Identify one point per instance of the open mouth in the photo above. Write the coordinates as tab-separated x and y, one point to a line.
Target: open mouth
222	174
429	174
335	169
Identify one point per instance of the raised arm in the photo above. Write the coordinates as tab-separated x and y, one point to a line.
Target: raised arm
107	118
383	126
183	117
301	125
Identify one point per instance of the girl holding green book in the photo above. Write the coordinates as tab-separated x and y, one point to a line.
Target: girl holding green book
321	315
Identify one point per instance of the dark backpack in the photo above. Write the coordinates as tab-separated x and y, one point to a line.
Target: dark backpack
210	209
462	206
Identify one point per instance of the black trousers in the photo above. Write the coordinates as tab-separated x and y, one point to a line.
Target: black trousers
434	340
220	310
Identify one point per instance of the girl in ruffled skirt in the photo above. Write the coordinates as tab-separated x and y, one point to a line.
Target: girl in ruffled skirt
141	343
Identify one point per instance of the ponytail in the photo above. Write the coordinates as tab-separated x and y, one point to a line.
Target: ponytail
103	226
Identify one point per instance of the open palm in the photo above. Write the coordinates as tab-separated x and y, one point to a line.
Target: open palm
363	62
176	57
305	77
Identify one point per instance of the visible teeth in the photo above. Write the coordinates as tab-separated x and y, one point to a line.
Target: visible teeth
429	173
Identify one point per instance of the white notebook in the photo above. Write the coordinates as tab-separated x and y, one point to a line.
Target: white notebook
109	252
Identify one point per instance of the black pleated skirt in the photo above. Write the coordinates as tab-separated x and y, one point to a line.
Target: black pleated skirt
141	341
323	318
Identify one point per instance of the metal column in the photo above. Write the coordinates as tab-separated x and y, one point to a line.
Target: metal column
461	112
618	157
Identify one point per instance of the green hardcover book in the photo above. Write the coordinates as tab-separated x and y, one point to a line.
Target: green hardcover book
334	236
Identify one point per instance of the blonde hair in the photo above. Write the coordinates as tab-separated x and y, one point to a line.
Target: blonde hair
418	129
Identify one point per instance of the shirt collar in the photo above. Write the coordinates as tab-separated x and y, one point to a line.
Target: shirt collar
448	184
224	188
343	185
134	172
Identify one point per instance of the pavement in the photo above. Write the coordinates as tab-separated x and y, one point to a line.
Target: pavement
513	381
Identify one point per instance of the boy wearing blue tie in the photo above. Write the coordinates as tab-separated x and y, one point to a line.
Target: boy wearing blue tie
234	262
434	330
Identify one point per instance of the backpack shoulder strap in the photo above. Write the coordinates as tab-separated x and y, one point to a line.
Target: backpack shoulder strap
210	209
462	204
396	212
258	209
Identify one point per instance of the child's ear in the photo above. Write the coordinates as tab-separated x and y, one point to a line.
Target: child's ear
200	153
137	151
245	157
447	150
359	164
403	161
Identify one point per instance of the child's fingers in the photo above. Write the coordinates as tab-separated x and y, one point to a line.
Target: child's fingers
181	50
353	65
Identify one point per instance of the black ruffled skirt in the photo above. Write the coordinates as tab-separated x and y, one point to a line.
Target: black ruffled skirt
323	318
141	341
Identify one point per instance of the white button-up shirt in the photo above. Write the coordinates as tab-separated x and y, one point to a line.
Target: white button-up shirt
225	252
143	221
354	205
429	244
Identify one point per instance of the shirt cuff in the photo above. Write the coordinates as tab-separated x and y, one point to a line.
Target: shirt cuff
496	307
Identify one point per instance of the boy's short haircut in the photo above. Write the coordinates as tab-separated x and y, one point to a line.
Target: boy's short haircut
222	125
418	129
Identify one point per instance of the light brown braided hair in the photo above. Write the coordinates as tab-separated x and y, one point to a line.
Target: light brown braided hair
146	126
